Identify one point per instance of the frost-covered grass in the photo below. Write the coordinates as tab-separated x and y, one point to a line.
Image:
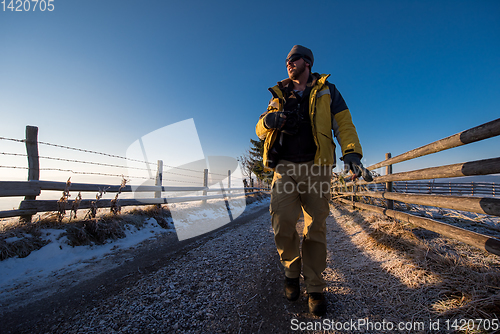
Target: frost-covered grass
427	275
47	246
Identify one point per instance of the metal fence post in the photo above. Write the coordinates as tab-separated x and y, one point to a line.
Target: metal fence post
388	185
33	161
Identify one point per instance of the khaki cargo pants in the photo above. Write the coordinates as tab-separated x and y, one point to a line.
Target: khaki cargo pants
301	187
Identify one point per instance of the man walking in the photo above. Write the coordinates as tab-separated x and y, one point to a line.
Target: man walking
297	129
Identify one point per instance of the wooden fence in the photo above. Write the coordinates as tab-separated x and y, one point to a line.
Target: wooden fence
442	188
33	187
389	185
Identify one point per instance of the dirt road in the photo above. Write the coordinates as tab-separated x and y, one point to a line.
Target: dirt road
230	281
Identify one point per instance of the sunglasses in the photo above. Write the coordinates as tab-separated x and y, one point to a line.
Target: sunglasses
293	58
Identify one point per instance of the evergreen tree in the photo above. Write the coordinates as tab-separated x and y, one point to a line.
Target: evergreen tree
255	155
252	162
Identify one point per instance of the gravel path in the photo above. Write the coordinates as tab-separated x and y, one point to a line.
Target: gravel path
214	287
231	282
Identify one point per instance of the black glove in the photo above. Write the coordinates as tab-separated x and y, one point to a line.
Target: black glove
285	121
352	162
275	120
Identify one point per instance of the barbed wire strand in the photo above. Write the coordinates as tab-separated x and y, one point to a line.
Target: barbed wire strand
72	160
76	172
79	150
109	165
12	139
101	153
113	156
93	163
99	174
94	173
106	174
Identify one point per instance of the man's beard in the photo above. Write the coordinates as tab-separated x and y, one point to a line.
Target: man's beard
298	71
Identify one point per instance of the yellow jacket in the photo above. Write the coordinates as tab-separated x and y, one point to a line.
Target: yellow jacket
322	124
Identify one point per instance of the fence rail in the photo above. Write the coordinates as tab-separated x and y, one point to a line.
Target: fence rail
406	187
478	240
442	188
33	187
483	205
472	168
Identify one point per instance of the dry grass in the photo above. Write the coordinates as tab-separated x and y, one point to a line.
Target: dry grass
447	277
22	246
19	238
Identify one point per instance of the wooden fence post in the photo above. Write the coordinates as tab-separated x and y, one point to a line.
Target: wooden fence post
33	161
32	151
388	185
205	184
159	179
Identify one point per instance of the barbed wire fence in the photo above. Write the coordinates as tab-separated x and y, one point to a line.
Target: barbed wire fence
165	173
200	173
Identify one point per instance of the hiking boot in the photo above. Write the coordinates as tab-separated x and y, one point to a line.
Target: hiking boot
292	288
317	303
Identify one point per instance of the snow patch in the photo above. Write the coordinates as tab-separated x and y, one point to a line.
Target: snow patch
58	256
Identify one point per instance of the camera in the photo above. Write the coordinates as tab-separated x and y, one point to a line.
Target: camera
291	126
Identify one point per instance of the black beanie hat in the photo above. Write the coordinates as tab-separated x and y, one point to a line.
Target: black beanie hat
306	54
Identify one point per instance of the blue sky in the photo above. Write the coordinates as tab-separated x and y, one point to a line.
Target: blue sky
99	75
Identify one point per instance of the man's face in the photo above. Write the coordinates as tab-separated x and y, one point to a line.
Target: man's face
295	68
